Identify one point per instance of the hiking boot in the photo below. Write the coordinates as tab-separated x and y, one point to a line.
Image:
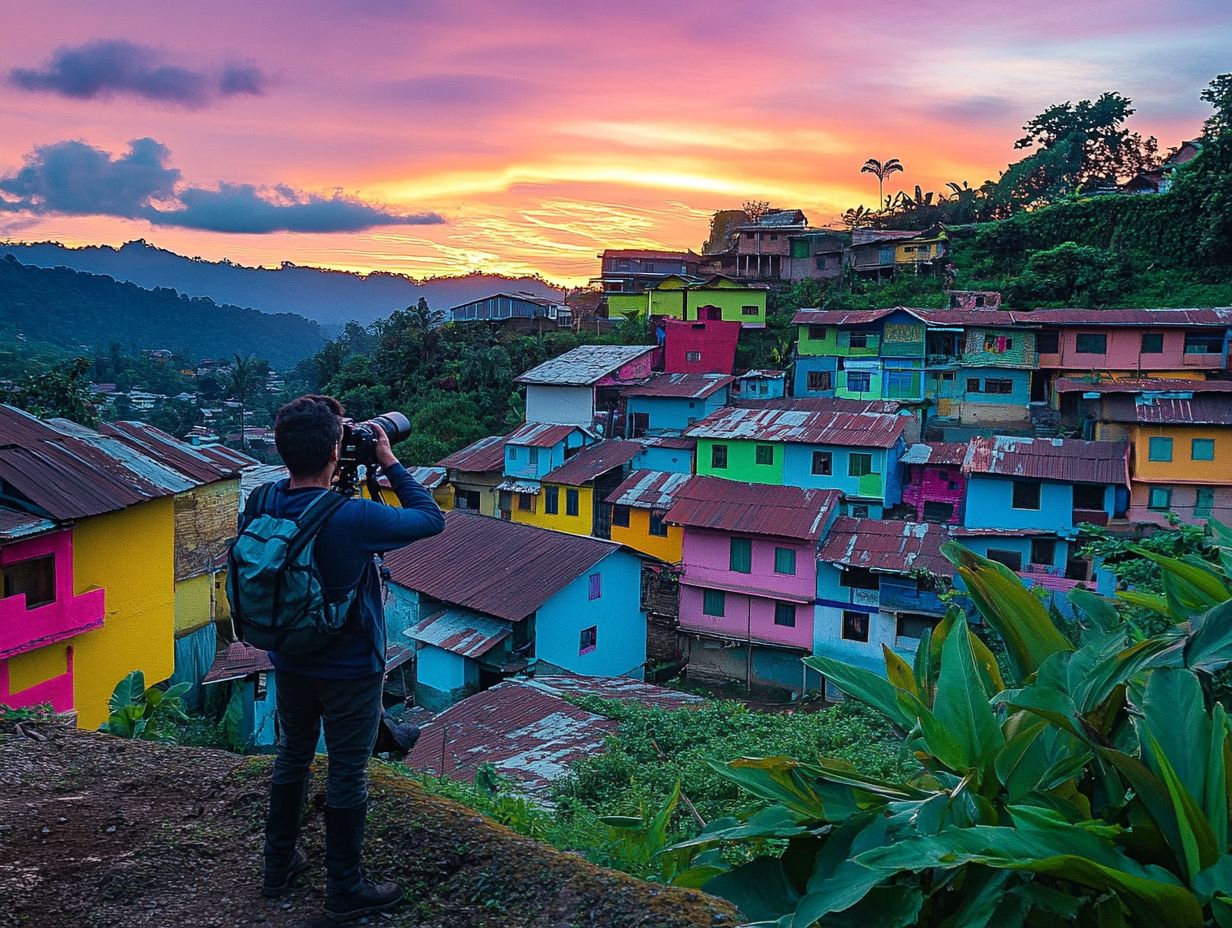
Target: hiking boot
349	894
283	861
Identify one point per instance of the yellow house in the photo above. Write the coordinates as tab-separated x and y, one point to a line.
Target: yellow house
116	506
927	246
473	473
638	507
688	298
571	497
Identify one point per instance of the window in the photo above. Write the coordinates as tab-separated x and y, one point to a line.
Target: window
998	343
912	625
819	381
713	602
785	614
1026	494
620	516
1204	502
859	381
979	301
1152	342
859	578
657	526
816	332
823	463
466	499
973	385
858	510
858	339
1043	550
1159	449
765	454
596	586
1003	387
1011	559
750	311
799	248
534	457
740	556
551	500
855	626
526	502
859	464
639	424
1203	343
1202	449
513	452
36	578
1091	343
938	512
588	640
693	356
571	502
1089	496
1159	498
718	456
1047	342
784	561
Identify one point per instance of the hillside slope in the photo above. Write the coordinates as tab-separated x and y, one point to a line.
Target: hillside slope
100	831
328	297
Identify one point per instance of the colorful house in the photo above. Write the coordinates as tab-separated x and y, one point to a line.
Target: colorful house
763	249
582	387
885	252
531	451
934	486
816	254
571	497
639	506
94	557
670	403
474	472
436	481
670	453
702	346
748	578
498	307
633	270
856	453
878	585
486	599
760	385
690	299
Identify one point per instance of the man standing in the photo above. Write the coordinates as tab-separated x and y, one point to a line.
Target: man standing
341	685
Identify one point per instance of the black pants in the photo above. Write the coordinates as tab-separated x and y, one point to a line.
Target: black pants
351	711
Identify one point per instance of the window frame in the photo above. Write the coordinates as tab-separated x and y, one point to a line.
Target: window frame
818	381
742	563
1078	342
865	377
853	457
780	610
44	565
551	501
655	524
718	451
1161	442
1005	557
1208	443
588	640
1031	487
758	454
1152	505
526	502
709	598
785	557
573	505
857	620
620	515
827	459
1157	338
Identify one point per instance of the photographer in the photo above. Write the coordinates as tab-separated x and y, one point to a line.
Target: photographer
340	685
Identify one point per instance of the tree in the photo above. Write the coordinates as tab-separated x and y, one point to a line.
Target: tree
248	375
1219	95
62	391
881	172
858	218
755	210
1070	273
1108	150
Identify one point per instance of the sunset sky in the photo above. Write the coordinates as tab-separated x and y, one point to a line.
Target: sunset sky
443	137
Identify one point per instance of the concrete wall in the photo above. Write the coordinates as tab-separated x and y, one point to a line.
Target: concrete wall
741	461
561	521
443	678
989	505
1182	502
1124	352
637	536
560	405
668	460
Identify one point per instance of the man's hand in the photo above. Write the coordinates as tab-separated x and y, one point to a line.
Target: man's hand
384	453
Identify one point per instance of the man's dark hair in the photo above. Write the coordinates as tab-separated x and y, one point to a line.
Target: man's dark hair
306	431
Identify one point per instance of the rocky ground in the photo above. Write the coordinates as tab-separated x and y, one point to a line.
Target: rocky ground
98	832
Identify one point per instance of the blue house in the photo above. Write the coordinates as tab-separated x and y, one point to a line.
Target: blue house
760	385
671	454
670	403
487	599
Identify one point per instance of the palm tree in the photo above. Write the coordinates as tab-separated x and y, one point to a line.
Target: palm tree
881	171
247	376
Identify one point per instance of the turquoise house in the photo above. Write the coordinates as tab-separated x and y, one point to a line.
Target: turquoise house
670	454
535	448
670	403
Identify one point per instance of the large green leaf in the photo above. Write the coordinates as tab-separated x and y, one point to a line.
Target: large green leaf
1099	610
1197	839
770	822
899	672
1191	587
869	688
1009	607
129	691
1152	601
961	704
1209	645
788	782
759	889
837	881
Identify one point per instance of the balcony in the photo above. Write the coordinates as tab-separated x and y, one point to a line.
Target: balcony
23	630
1094	516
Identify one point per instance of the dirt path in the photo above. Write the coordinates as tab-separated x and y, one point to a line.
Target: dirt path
99	832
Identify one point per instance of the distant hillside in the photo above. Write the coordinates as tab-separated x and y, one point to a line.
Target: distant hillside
329	297
75	312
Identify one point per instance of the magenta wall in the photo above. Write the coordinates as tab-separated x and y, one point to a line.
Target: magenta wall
637	369
1125	352
58	690
23	629
931	483
714	339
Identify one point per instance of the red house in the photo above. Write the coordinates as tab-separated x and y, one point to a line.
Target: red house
705	346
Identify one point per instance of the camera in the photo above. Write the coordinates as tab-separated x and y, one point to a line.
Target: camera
359	447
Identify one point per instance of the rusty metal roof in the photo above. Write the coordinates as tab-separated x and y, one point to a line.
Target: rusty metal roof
541	434
1142	385
1068	459
594	461
486	454
841	316
502	569
1208	409
460	631
428	477
236	661
859	430
649	253
680	386
936	452
996	318
584	365
1218	316
193	463
72	472
886	545
16	525
253	477
753	508
514	485
649	489
624	689
823	404
674	442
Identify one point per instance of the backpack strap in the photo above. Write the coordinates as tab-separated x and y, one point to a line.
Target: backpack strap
313	519
256	503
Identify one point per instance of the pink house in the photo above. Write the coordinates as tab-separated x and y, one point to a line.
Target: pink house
38	606
749	578
704	346
1146	340
934	485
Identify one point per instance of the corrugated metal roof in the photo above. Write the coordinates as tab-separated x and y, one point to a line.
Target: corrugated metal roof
753	508
1219	317
887	545
482	456
502	569
594	461
253	477
624	689
1142	385
936	452
584	365
1210	409
997	318
460	631
73	473
524	297
514	485
236	661
541	434
681	386
649	489
649	253
1068	459
841	316
15	525
673	442
763	374
824	404
189	461
429	477
858	430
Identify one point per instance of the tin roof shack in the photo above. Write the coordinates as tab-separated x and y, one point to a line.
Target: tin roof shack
763	248
582	386
878	584
487	598
110	564
531	451
1026	498
633	270
856	453
671	453
816	254
934	485
500	307
701	346
474	472
249	671
760	385
571	496
882	253
749	578
667	404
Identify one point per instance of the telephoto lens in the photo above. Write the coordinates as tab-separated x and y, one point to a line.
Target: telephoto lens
395	425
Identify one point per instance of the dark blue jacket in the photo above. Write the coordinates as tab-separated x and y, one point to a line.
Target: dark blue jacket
344	553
